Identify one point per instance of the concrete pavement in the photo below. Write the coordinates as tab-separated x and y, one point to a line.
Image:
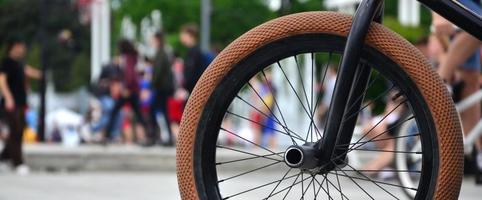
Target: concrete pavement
124	186
94	158
133	172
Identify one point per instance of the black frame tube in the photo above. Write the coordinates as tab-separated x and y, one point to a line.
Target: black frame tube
337	130
366	13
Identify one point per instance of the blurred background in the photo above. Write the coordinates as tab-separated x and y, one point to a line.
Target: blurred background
94	126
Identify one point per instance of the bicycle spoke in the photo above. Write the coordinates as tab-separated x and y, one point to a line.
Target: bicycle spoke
339	190
364	91
339	185
289	187
321	186
314	188
258	187
273	129
292	184
276	103
381	170
269	109
302	188
376	182
250	171
378	140
327	186
381	120
380	134
244	152
368	104
308	186
388	151
358	185
279	182
302	84
312	88
297	96
250	158
247	140
257	109
322	82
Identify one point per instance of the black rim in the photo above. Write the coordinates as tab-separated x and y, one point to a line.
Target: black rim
209	128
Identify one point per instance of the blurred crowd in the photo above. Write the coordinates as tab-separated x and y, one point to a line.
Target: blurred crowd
140	99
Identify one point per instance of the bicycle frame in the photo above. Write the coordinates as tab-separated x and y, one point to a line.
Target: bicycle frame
370	11
476	132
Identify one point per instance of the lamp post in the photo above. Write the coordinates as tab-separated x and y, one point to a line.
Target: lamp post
100	36
206	9
43	59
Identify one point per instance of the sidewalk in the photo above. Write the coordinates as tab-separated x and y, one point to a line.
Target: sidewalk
54	157
92	158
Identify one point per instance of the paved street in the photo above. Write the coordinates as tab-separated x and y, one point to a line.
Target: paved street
120	186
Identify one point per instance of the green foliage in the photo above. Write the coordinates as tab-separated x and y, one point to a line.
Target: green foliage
229	18
17	20
412	34
80	72
22	19
174	14
309	5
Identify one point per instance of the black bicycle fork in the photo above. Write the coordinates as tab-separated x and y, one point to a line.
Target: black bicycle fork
351	84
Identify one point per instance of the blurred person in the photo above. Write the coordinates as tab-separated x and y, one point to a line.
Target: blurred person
175	104
13	74
131	132
382	127
3	127
131	89
263	124
163	88
194	64
464	54
107	89
328	88
146	100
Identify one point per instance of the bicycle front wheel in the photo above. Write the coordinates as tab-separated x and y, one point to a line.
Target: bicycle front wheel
260	96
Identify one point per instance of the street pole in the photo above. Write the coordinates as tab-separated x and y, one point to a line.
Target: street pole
206	9
285	7
95	45
100	37
105	33
43	59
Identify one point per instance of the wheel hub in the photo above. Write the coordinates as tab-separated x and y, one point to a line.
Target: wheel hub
304	158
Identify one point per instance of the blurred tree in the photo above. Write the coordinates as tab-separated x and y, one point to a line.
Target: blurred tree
232	16
20	18
306	5
17	21
174	14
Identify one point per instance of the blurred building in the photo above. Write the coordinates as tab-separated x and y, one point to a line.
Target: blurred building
408	10
100	29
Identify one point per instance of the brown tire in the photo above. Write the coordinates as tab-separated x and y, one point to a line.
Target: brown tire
412	62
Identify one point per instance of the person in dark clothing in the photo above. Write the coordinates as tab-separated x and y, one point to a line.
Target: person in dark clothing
13	88
128	62
163	87
193	63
